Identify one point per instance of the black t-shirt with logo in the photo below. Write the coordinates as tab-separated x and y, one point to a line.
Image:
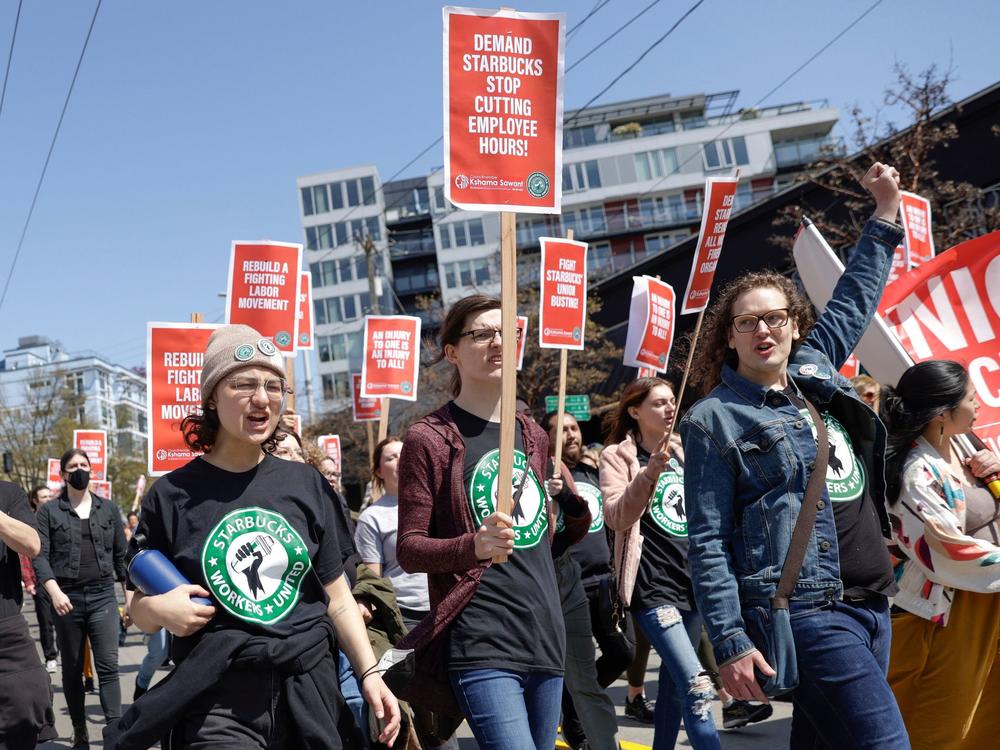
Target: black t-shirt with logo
263	542
14	503
663	576
865	566
514	620
592	552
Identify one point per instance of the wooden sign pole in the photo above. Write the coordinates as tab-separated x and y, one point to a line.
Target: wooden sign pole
383	421
370	429
290	375
561	408
508	368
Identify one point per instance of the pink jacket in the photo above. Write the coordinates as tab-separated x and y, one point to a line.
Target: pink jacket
626	490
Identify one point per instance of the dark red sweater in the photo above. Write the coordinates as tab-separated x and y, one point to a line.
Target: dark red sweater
437	536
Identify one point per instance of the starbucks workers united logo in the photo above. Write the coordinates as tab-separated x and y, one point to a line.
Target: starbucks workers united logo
595	502
845	475
531	521
254	562
667	507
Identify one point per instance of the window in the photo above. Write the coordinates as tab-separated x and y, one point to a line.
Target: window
373	228
444	235
465	272
324	346
582	175
319	310
461	236
327	381
337	195
352	193
342	385
450	278
724	153
476	235
481	271
350	307
657	242
311	238
692	121
344	270
439	204
320	200
599	260
368	191
324	237
341	232
361	266
653	164
307	201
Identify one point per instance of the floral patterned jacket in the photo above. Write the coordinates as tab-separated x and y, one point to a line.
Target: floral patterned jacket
928	526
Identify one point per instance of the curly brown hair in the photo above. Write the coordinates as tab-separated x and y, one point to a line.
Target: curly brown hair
713	351
202	430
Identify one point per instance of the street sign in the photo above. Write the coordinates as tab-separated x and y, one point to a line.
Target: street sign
578	406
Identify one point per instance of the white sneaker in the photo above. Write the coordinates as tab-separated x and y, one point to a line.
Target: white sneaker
50	666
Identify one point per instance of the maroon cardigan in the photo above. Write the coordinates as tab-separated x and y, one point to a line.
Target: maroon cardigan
437	536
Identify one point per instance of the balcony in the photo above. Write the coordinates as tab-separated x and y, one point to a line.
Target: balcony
806	150
411	247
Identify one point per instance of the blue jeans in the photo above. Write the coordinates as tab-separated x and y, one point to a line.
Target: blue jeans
351	690
510	710
157	651
684	692
843	700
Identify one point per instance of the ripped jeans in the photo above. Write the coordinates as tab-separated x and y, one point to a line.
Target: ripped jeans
683	692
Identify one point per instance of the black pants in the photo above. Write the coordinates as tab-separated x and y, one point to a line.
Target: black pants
616	644
24	686
95	616
46	624
424	722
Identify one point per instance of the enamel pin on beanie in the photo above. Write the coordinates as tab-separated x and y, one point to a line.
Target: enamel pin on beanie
234	347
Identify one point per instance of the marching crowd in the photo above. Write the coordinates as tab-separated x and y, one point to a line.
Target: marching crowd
800	535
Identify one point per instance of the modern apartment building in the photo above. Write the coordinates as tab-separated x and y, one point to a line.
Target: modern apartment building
633	178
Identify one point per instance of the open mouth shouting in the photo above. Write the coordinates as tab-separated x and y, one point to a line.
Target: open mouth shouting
765	349
258	421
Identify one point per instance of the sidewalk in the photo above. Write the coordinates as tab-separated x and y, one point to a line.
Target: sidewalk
769	735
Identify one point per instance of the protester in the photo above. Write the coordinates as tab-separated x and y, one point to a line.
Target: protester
944	668
496	631
258	535
24	685
43	604
131	521
157	653
82	555
867	389
637	706
750	444
641	479
584	574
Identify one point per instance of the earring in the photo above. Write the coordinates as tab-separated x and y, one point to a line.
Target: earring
941	436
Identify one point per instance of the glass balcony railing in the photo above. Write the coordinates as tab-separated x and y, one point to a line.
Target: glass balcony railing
797	153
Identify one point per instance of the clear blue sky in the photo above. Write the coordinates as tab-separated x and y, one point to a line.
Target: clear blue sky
191	120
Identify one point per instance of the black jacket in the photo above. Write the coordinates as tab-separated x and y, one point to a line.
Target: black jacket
59	528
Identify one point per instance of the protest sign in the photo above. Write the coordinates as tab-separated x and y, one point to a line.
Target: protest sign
720	192
645	372
391	359
851	368
949	308
650	324
365	409
263	290
100	487
54	476
562	299
503	109
329	445
900	264
916	215
305	334
174	356
522	326
293	422
95	444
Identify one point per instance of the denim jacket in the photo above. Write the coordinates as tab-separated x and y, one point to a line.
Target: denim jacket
749	451
59	528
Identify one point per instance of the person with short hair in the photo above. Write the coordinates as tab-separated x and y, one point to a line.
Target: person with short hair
39	495
867	389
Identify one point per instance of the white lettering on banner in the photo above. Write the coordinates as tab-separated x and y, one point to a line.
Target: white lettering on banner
943	324
976	367
390	350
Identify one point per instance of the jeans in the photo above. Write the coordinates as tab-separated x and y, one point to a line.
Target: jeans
351	691
94	615
843	700
46	624
157	651
509	710
685	692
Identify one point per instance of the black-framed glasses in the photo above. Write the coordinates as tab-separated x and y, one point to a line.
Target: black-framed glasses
772	319
487	335
275	388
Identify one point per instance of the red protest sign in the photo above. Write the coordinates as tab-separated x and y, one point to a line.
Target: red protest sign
851	368
100	487
365	409
174	356
900	264
304	339
645	372
330	446
650	324
95	444
522	326
264	289
54	477
949	308
720	192
503	109
392	348
562	299
294	421
916	215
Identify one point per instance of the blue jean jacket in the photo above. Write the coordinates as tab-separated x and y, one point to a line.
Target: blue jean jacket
748	451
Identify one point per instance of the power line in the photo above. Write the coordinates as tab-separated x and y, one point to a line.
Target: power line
10	56
576	27
48	157
614	34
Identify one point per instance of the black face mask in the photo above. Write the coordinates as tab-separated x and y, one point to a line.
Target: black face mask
78	479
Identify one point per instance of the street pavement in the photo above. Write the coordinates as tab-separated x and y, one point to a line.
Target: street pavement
769	735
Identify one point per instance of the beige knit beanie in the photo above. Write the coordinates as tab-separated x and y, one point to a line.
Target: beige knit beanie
233	347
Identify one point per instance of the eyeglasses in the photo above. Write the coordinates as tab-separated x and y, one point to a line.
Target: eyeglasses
773	319
487	335
274	388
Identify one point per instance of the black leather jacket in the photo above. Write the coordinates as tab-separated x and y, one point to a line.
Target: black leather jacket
60	533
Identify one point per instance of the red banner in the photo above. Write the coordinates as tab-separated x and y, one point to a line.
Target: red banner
562	299
100	487
851	368
305	334
645	372
916	214
54	479
174	356
503	109
330	446
650	324
720	192
949	308
95	444
365	409
264	290
522	326
392	357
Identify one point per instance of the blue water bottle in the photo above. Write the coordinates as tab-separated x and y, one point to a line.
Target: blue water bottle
154	574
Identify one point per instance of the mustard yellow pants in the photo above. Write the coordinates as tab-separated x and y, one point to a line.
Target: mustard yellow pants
947	680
